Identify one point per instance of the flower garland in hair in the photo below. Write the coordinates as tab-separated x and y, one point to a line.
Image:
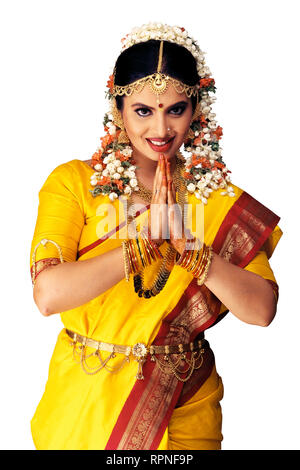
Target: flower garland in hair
205	170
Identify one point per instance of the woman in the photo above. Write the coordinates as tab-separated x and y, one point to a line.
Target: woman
116	253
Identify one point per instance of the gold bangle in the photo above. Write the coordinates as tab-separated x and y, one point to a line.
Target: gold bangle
140	252
133	256
145	250
202	261
131	266
126	262
197	253
203	278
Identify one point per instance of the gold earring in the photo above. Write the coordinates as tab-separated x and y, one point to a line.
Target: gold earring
118	121
197	113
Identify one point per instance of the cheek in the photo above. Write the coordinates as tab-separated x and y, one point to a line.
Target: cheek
134	126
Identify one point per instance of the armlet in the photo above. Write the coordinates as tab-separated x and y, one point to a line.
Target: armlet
39	266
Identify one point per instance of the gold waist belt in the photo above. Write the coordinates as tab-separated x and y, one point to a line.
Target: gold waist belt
175	359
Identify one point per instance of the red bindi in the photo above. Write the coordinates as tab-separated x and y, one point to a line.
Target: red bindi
160	105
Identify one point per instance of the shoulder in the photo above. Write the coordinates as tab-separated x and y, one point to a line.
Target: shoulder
72	168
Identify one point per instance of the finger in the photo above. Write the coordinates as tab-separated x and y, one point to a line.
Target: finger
157	182
169	176
162	184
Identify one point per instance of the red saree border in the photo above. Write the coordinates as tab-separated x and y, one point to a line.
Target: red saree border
245	228
256	219
41	265
109	234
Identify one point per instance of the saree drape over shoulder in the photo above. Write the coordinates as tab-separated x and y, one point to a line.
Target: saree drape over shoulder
115	410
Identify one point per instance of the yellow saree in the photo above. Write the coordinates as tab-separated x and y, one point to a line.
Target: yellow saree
115	410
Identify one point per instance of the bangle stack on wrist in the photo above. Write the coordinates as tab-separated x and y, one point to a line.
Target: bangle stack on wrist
138	253
197	261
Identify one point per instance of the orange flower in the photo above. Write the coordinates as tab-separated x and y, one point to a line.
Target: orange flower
198	139
203	121
106	140
119	183
218	165
187	175
218	132
206	82
123	158
97	156
105	180
110	83
204	162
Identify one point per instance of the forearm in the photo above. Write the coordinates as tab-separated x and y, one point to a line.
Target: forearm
71	284
247	295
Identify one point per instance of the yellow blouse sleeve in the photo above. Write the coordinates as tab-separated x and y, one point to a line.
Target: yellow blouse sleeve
59	221
260	263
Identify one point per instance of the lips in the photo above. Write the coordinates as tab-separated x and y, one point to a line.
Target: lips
157	147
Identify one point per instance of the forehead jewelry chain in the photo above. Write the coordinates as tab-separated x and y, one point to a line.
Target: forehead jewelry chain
159	83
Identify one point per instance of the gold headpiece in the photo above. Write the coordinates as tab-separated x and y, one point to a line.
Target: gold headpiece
158	83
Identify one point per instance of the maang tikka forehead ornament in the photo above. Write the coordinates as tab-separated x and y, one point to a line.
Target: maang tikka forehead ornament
158	83
205	170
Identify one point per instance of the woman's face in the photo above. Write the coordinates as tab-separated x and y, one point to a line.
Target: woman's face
145	121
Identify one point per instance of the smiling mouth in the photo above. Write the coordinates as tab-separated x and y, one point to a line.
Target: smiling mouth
160	143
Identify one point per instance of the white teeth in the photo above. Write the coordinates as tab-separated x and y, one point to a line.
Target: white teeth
158	143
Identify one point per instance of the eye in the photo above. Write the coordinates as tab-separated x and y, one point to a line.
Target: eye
142	112
177	110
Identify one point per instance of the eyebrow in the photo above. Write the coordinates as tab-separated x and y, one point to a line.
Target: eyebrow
146	106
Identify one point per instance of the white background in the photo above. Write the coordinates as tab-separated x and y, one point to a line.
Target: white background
56	58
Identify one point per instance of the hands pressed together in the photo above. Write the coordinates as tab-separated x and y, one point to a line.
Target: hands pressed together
166	220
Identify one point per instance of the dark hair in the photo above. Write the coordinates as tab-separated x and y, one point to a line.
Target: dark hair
141	60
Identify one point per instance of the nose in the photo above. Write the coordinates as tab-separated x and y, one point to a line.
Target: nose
161	128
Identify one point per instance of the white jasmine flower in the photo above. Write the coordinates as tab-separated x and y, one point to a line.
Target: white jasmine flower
191	187
117	163
105	172
110	167
133	182
120	169
112	196
93	182
127	151
127	190
98	166
116	176
112	130
201	184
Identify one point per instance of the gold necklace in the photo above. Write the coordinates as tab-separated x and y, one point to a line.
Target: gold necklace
167	262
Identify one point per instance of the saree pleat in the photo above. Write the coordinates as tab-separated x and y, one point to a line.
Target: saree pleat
115	410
